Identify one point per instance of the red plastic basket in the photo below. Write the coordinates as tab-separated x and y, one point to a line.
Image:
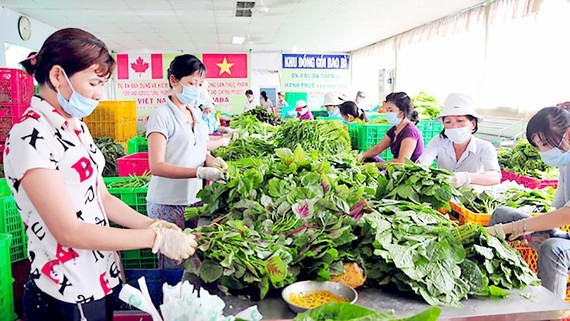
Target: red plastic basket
135	164
10	114
528	182
508	176
16	86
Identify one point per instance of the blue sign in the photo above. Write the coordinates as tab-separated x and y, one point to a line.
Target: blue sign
304	61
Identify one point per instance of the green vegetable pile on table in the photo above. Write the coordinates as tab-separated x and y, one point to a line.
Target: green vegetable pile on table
536	201
264	116
131	182
416	249
329	137
417	184
249	124
524	159
111	151
245	147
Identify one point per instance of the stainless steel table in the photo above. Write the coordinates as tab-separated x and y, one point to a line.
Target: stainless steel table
542	305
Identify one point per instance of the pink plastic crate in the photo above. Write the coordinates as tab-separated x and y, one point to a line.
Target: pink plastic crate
16	86
508	176
128	316
535	183
528	182
10	114
135	164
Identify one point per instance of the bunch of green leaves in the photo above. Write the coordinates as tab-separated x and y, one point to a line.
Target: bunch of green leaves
417	184
348	312
379	121
323	136
416	249
245	147
426	105
247	124
524	159
237	256
490	263
410	246
131	182
535	201
265	116
111	151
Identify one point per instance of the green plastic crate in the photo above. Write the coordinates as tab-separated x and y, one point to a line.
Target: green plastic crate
353	133
320	113
327	118
429	129
136	145
11	223
369	135
6	280
134	197
139	259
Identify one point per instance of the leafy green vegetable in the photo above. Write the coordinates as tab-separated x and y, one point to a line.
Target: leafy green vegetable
245	147
535	201
111	152
323	136
417	184
426	105
347	312
524	159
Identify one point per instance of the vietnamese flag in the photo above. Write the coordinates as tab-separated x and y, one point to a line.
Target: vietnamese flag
139	66
220	65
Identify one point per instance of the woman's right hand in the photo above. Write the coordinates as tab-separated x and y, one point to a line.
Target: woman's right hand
174	244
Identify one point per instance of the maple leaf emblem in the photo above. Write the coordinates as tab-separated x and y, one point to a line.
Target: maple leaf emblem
139	66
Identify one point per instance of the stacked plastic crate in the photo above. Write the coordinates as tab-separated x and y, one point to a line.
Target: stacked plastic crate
16	91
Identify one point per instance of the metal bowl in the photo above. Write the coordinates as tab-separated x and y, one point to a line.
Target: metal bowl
338	289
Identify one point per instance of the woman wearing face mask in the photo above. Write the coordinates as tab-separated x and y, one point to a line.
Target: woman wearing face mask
250	102
549	131
177	139
404	139
303	112
470	159
54	170
332	102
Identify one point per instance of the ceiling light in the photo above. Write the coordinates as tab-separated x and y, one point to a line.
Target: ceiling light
238	40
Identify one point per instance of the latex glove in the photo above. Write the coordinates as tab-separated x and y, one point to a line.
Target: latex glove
496	230
174	244
210	173
360	157
219	163
164	224
460	179
225	141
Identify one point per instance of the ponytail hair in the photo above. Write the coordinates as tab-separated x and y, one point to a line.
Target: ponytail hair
404	104
351	108
29	63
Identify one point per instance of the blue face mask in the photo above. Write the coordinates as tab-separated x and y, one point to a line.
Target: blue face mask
555	157
392	119
207	116
78	106
189	94
334	113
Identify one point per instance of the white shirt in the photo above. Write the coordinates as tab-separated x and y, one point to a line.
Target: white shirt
43	140
247	105
480	156
562	197
267	104
185	147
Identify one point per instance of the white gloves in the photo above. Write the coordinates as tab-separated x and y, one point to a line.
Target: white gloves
460	179
225	141
496	230
164	224
360	157
219	163
210	173
174	244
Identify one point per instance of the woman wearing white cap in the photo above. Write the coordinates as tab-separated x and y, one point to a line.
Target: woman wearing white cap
470	159
303	112
332	102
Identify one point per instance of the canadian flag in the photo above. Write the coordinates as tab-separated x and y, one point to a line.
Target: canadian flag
139	66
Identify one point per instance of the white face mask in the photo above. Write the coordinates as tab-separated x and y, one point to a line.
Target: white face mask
458	135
